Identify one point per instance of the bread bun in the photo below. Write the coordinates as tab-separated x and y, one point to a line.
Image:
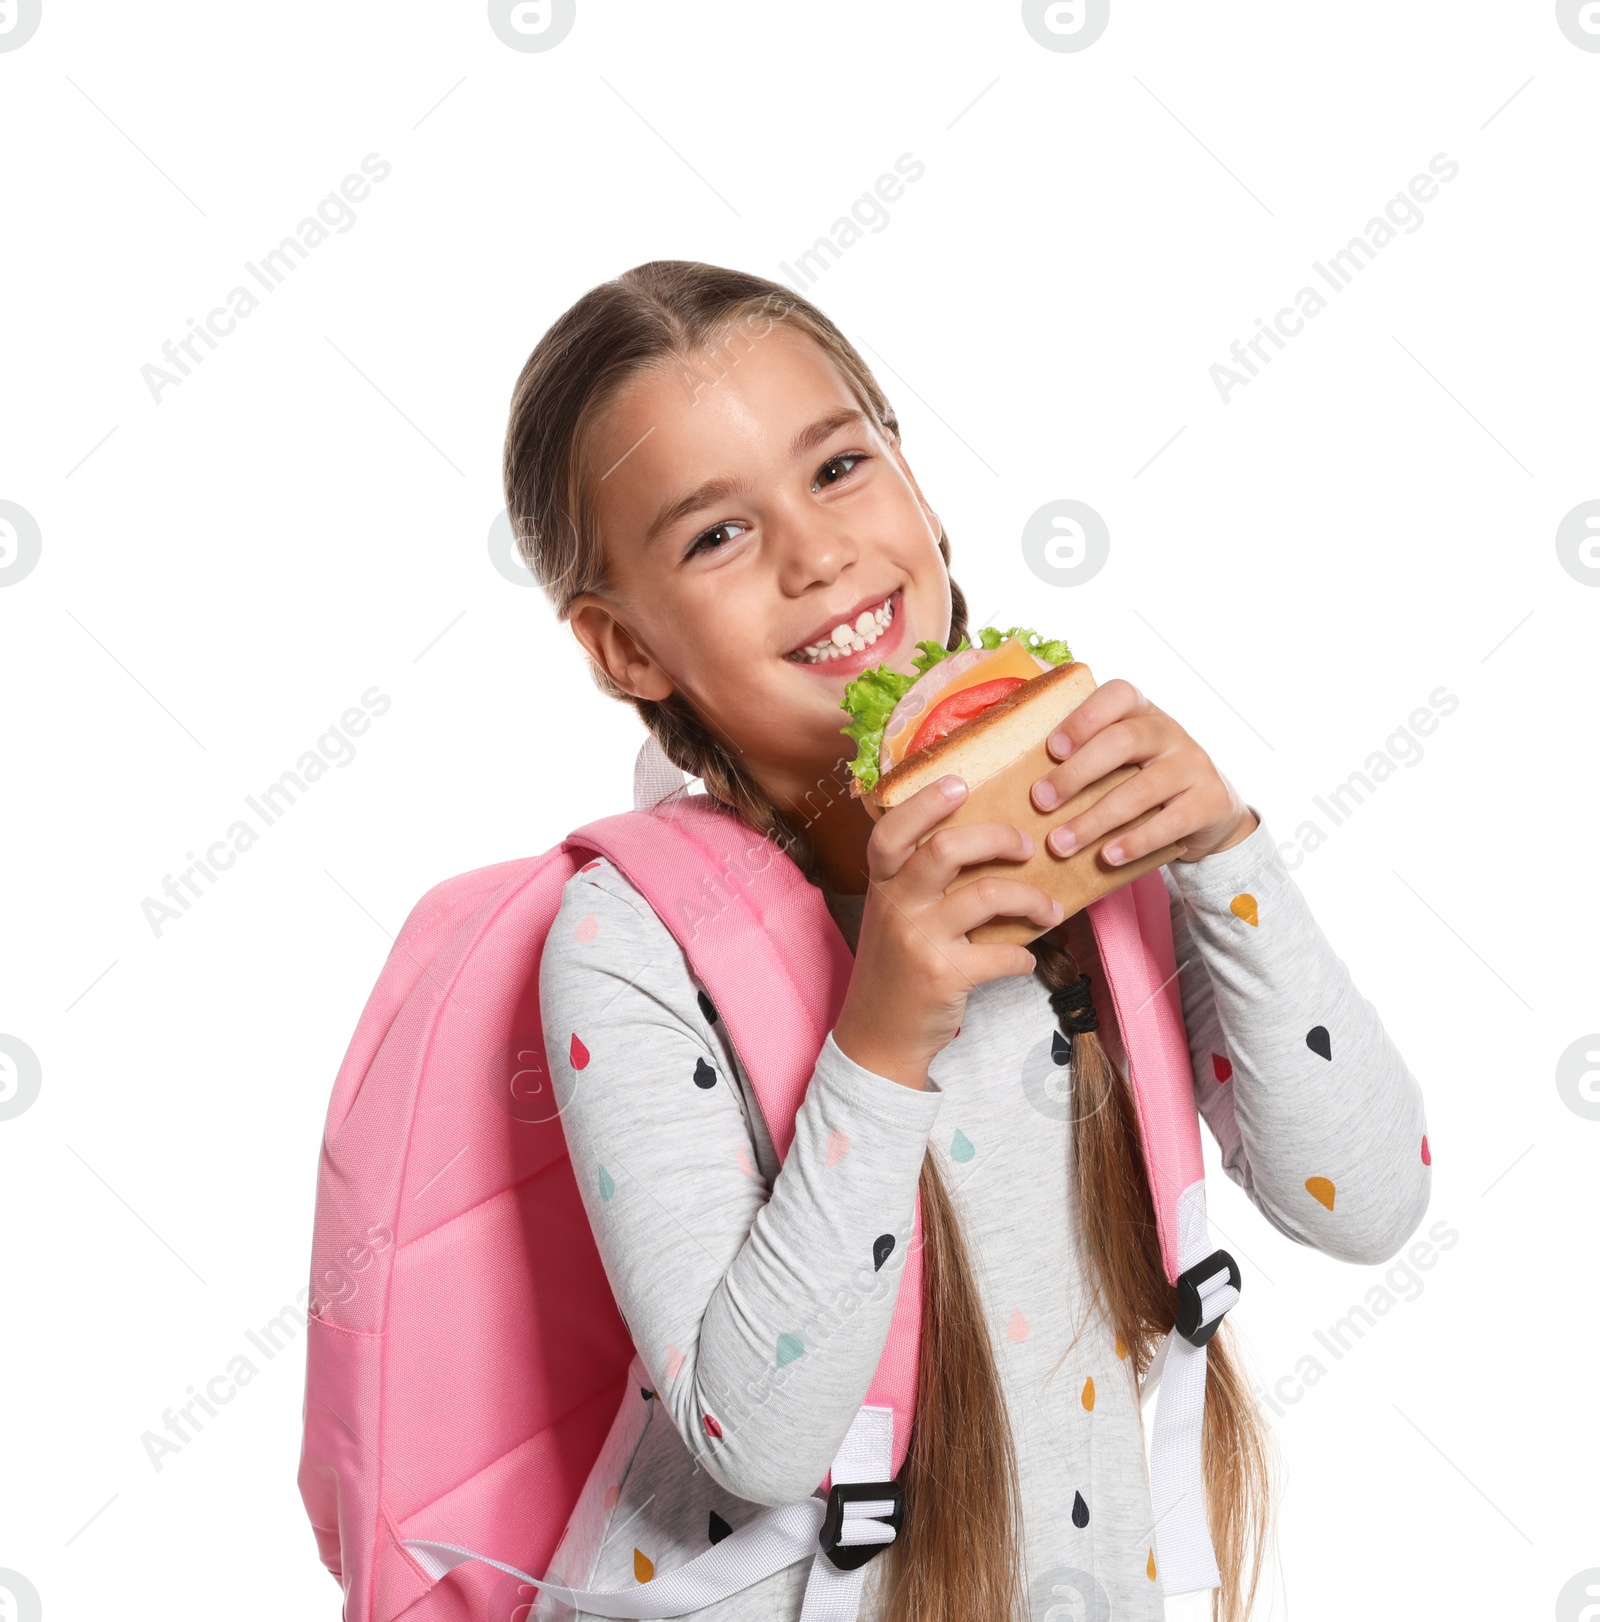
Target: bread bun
1000	754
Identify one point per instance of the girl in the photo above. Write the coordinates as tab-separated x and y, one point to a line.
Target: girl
708	483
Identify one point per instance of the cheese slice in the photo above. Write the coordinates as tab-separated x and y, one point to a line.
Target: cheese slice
1011	658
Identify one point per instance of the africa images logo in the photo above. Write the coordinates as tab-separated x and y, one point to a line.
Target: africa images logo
20	541
1066	25
19	1599
1401	213
334	216
532	25
18	20
1579	20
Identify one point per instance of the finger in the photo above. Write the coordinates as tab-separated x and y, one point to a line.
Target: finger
1107	703
995	959
1150	786
979	900
896	833
1134	740
1170	825
942	855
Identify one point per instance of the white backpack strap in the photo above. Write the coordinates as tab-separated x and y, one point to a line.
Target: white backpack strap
774	1539
864	1514
1207	1287
844	1524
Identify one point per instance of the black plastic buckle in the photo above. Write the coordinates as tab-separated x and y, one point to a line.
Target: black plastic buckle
852	1556
1189	1304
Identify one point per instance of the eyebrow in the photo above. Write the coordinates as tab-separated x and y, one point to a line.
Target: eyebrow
719	489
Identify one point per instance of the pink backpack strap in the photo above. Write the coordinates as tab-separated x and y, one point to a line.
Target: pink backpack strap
1133	931
766	948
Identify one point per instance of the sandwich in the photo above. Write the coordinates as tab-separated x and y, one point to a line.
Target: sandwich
984	712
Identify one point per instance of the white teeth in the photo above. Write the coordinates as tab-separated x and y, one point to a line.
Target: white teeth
846	638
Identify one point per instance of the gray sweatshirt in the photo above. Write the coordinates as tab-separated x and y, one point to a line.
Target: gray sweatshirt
754	1293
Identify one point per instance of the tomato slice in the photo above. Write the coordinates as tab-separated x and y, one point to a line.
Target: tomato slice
949	713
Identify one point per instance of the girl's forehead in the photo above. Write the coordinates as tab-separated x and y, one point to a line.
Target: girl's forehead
733	388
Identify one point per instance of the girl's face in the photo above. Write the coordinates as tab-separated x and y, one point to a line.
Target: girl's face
748	508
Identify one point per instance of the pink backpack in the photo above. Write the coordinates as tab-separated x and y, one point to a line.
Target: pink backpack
465	1357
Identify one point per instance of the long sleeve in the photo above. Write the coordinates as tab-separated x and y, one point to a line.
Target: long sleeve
1316	1114
760	1298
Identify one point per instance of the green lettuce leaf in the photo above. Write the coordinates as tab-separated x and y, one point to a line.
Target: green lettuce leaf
872	696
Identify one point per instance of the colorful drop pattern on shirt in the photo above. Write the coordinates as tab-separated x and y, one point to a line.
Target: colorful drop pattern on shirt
644	1567
1319	1039
790	1346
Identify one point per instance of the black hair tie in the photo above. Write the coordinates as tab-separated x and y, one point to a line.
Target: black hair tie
1074	1007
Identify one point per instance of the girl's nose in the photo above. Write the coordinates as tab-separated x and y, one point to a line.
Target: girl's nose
812	547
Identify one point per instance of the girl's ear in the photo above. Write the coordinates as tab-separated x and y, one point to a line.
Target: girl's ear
616	649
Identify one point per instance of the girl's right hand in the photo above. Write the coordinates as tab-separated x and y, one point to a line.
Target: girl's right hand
914	966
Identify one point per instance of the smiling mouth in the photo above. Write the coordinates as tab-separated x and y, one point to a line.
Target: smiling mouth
848	639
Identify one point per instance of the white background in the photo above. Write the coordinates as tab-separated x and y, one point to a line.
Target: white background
307	516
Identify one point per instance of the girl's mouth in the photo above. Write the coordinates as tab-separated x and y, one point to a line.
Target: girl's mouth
852	648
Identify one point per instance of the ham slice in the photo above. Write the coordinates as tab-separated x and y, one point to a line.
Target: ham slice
954	671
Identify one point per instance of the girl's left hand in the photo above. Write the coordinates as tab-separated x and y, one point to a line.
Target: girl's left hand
1115	726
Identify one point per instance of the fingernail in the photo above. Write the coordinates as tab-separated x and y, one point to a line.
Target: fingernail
1060	745
1113	854
952	786
1055	909
1044	794
1027	841
1062	840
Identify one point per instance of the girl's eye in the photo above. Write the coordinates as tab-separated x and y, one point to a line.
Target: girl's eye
833	461
705	537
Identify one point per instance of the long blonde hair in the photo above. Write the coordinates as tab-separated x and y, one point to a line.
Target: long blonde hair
958	1558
